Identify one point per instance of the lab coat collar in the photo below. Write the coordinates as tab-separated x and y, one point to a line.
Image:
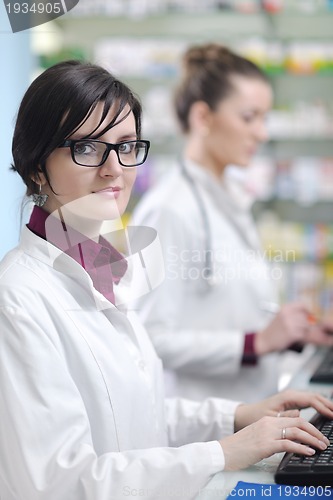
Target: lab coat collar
145	265
50	255
228	189
230	197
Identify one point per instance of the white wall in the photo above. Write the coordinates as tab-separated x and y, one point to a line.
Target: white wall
15	68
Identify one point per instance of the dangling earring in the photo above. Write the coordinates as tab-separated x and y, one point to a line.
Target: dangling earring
39	199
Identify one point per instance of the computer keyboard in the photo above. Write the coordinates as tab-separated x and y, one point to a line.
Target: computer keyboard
316	470
324	372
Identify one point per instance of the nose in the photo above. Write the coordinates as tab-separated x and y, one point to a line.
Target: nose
111	167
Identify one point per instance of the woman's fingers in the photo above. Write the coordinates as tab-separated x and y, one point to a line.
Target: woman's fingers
323	405
288	413
271	435
301	431
280	404
291	399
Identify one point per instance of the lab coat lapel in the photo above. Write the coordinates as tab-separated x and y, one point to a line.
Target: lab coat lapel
117	316
226	195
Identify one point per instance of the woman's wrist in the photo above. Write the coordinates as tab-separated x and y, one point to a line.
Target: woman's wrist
240	417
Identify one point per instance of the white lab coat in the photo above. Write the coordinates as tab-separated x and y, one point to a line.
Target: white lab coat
197	329
83	415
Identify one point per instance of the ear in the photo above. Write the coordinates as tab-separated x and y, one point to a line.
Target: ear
39	177
199	117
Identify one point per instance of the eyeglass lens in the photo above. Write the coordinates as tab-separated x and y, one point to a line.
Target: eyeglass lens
92	153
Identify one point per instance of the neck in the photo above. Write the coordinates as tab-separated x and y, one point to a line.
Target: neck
88	227
197	153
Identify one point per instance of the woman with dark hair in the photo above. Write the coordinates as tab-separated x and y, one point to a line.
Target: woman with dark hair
216	337
83	416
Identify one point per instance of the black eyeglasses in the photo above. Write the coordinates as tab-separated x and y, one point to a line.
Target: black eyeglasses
93	153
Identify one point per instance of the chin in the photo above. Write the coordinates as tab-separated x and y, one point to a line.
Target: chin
107	213
87	208
242	163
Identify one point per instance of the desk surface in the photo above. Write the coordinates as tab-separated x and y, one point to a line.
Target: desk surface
222	484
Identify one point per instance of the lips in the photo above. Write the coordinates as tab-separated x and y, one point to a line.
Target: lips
111	192
108	190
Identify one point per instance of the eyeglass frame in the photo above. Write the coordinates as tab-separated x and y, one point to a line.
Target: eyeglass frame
70	143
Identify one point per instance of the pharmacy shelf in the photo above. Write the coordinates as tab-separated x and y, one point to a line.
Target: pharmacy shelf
290	147
288	209
220	25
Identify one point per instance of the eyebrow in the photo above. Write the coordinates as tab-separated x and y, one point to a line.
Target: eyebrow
129	137
124	138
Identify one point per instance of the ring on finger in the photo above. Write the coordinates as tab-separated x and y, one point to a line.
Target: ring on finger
283	433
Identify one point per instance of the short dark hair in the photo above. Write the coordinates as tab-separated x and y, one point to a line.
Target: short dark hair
55	106
207	72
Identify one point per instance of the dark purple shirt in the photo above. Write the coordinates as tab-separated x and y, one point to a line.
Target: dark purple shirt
104	264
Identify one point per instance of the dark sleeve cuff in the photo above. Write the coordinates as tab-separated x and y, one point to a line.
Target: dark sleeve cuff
249	355
297	347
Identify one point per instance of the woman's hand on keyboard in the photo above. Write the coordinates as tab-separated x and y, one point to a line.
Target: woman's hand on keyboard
285	403
271	435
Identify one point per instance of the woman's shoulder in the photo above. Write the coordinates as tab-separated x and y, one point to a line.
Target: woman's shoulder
20	270
10	265
28	269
